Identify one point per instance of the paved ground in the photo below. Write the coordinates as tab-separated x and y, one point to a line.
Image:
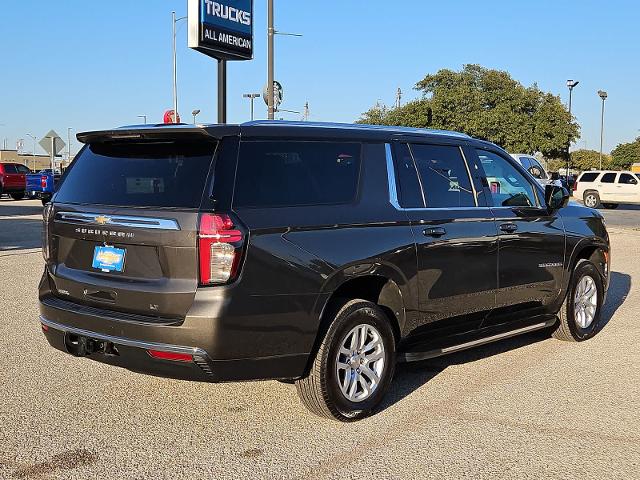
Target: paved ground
531	407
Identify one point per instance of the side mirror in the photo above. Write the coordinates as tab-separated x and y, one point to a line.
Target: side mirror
535	172
555	197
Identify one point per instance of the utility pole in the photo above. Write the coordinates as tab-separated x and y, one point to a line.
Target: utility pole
398	98
68	144
305	115
603	95
33	154
270	61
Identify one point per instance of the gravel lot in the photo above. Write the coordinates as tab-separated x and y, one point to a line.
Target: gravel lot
528	407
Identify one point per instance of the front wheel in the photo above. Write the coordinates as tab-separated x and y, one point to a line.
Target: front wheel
353	366
592	199
579	315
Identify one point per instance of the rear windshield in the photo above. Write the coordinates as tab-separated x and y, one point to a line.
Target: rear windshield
589	177
293	173
171	174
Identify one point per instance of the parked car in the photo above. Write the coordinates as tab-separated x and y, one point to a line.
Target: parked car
42	185
13	179
608	189
316	254
535	169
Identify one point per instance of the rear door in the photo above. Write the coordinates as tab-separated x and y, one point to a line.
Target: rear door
606	186
455	234
531	241
122	233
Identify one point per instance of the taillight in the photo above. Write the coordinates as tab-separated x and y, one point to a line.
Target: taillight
575	185
43	181
47	213
219	248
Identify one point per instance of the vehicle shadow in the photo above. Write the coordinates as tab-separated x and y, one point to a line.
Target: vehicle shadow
411	376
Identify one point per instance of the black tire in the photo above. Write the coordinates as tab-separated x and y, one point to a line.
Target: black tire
17	196
320	390
611	206
591	199
44	201
568	328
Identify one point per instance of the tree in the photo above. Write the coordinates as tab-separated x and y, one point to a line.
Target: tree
589	159
487	104
626	154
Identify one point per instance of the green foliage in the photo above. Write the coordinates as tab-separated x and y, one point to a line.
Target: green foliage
487	104
626	154
589	159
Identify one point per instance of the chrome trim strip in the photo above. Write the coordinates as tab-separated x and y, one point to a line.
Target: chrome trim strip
118	220
196	351
417	356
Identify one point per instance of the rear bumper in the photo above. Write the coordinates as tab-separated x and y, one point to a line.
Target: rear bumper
134	355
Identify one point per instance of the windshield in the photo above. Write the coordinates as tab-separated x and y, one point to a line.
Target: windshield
165	174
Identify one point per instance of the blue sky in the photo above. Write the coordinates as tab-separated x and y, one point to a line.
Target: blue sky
92	65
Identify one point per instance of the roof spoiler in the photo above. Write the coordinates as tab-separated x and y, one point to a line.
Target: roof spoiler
150	133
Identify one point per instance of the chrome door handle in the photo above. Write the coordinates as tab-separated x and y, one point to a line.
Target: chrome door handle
508	227
434	232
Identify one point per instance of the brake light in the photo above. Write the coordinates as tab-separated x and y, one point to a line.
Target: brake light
219	249
43	181
575	185
174	357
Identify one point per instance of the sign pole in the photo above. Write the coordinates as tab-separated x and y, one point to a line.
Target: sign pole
53	154
222	91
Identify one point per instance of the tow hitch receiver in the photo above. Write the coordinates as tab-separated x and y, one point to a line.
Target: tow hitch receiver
80	346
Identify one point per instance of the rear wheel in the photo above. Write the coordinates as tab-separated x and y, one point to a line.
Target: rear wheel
17	196
354	365
592	199
580	313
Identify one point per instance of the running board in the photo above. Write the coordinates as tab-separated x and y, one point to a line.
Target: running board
418	356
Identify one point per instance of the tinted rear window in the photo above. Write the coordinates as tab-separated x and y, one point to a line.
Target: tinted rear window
292	173
589	177
10	168
171	174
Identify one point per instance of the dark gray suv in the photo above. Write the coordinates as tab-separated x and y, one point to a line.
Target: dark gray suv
319	254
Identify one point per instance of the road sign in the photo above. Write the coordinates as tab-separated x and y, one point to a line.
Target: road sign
222	29
278	93
52	147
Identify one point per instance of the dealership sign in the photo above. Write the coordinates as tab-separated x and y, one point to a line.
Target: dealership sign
222	29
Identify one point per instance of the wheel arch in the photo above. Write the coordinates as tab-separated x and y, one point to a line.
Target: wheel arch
595	250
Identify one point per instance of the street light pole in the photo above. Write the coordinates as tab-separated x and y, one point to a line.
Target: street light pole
270	61
174	21
571	84
603	95
69	144
33	154
251	97
144	117
195	114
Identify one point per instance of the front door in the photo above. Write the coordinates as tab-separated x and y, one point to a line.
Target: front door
531	242
455	234
627	189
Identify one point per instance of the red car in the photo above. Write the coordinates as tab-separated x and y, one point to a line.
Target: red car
13	180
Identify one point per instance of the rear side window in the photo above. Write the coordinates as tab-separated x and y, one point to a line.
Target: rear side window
627	178
296	173
588	177
166	174
22	169
444	176
608	178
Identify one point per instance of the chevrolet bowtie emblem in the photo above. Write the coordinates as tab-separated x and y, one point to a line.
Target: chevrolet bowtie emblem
102	220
